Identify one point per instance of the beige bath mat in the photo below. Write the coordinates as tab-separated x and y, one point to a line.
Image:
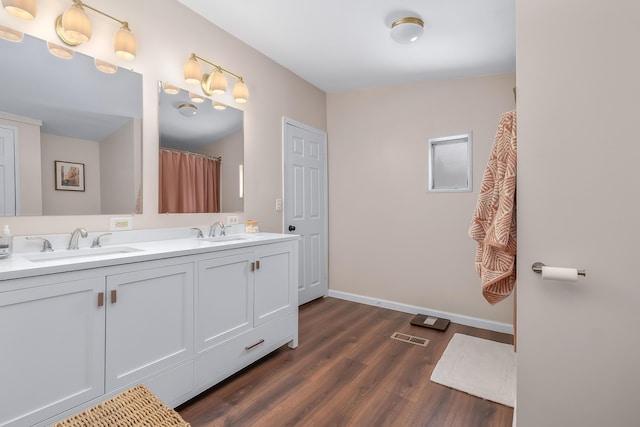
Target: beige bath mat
480	367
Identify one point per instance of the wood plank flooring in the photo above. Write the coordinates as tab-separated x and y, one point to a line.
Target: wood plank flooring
347	371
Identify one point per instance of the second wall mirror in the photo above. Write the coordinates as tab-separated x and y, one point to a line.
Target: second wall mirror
201	153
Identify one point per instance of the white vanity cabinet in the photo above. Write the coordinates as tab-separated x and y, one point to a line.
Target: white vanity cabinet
52	346
177	322
149	325
246	307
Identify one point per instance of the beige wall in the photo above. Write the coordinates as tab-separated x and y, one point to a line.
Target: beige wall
117	171
578	206
226	148
166	36
388	237
58	202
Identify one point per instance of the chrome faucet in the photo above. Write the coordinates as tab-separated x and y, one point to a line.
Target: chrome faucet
212	231
46	244
96	241
73	243
200	235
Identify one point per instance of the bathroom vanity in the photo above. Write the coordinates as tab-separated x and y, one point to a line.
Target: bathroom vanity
177	315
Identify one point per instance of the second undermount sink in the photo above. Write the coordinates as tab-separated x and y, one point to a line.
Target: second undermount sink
80	253
226	239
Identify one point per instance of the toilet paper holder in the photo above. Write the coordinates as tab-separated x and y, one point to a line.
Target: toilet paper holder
537	268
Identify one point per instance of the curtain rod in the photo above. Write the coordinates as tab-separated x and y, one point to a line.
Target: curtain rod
193	154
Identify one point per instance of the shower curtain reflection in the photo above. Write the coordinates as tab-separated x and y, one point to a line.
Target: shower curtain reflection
189	183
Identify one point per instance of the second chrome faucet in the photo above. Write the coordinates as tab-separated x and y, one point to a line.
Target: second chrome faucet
75	236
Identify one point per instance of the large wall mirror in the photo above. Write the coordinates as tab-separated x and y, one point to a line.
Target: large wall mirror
201	153
70	134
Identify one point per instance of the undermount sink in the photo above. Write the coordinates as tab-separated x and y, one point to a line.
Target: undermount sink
226	239
80	253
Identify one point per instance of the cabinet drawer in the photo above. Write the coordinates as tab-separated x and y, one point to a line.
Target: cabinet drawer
229	357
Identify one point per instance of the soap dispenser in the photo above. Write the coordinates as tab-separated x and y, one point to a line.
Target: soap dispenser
6	242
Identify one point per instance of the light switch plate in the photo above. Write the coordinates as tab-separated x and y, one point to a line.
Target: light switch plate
121	224
232	219
278	205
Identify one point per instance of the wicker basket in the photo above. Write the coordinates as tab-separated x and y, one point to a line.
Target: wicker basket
134	407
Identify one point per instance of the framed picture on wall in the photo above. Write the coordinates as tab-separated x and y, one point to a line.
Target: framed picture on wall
69	176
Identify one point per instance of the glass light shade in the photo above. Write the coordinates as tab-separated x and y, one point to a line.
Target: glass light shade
241	92
407	30
196	98
76	24
10	34
106	67
23	9
192	71
124	43
60	51
219	105
217	82
170	89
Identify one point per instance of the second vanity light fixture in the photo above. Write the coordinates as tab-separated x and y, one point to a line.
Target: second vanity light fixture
74	27
214	82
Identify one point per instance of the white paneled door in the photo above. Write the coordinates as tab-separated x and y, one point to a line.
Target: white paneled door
7	172
305	206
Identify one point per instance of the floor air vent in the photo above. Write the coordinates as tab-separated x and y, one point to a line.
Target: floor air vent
410	339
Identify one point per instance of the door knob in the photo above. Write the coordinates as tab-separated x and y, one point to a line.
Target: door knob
292	228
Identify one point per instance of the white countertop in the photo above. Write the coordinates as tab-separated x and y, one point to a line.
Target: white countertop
36	263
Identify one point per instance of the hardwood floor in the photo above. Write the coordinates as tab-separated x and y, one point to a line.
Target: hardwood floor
347	371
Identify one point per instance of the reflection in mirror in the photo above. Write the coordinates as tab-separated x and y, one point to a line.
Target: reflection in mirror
66	110
201	153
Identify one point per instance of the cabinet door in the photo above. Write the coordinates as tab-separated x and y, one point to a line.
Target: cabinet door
275	290
224	299
51	349
149	322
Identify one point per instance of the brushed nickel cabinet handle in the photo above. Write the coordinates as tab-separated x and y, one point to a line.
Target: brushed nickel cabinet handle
114	296
253	266
249	347
258	265
100	299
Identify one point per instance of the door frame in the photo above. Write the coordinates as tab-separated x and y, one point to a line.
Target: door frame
16	172
287	121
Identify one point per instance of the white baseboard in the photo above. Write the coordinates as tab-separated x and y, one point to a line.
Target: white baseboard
412	309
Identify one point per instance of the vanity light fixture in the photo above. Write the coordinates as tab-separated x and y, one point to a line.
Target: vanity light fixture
196	98
214	82
407	30
10	34
74	27
170	89
219	105
23	9
106	67
60	51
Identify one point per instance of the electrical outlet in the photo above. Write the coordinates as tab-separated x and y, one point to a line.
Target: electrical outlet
278	205
120	224
232	219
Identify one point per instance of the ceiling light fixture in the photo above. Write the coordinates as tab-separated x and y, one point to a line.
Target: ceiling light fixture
187	110
407	30
214	82
74	27
10	34
23	9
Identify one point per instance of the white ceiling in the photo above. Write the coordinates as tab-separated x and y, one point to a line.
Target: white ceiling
341	45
